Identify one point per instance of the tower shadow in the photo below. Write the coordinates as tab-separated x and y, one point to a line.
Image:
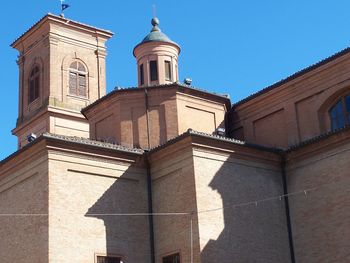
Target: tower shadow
120	207
253	232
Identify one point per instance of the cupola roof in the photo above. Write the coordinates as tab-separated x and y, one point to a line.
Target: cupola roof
156	34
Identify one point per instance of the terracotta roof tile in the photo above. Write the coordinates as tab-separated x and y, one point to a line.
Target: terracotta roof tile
77	140
132	89
293	76
190	132
317	139
85	141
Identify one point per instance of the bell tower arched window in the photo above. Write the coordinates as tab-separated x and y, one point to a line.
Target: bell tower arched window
77	79
340	113
34	84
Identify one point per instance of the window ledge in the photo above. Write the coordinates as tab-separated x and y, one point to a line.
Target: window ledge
78	97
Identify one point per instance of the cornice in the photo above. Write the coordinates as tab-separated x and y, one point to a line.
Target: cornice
296	77
318	144
196	92
65	22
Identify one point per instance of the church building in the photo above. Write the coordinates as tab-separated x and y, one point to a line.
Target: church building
165	172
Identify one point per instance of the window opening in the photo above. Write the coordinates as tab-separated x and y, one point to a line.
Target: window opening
108	259
142	79
34	84
340	113
77	79
153	70
174	258
167	70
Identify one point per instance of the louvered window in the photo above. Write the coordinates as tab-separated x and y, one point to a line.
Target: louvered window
77	79
34	84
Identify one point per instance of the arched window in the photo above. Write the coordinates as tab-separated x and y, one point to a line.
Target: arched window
340	113
77	79
34	84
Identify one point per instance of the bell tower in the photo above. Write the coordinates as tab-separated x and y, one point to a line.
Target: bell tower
61	70
157	58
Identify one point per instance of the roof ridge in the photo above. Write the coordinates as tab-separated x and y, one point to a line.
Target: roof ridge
91	142
293	76
122	89
216	137
317	138
57	17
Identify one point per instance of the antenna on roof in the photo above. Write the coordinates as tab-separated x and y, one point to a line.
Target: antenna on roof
63	7
154	9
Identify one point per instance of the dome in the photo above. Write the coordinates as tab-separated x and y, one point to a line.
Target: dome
157	58
156	34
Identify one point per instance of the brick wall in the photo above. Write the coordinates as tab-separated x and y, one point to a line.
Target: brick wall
24	208
320	218
85	194
248	233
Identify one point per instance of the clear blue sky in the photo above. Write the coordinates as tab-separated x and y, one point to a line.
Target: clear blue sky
228	46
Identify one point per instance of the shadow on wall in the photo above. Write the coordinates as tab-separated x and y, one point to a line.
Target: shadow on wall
252	233
125	234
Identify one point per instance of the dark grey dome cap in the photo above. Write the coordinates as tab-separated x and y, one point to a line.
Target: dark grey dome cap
156	34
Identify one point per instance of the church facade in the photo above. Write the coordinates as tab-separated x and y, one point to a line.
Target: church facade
165	172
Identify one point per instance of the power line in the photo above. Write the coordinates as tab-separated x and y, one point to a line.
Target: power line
232	205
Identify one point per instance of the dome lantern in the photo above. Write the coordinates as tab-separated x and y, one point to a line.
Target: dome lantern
157	58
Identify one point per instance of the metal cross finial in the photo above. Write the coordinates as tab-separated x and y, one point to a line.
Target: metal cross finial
62	1
154	8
